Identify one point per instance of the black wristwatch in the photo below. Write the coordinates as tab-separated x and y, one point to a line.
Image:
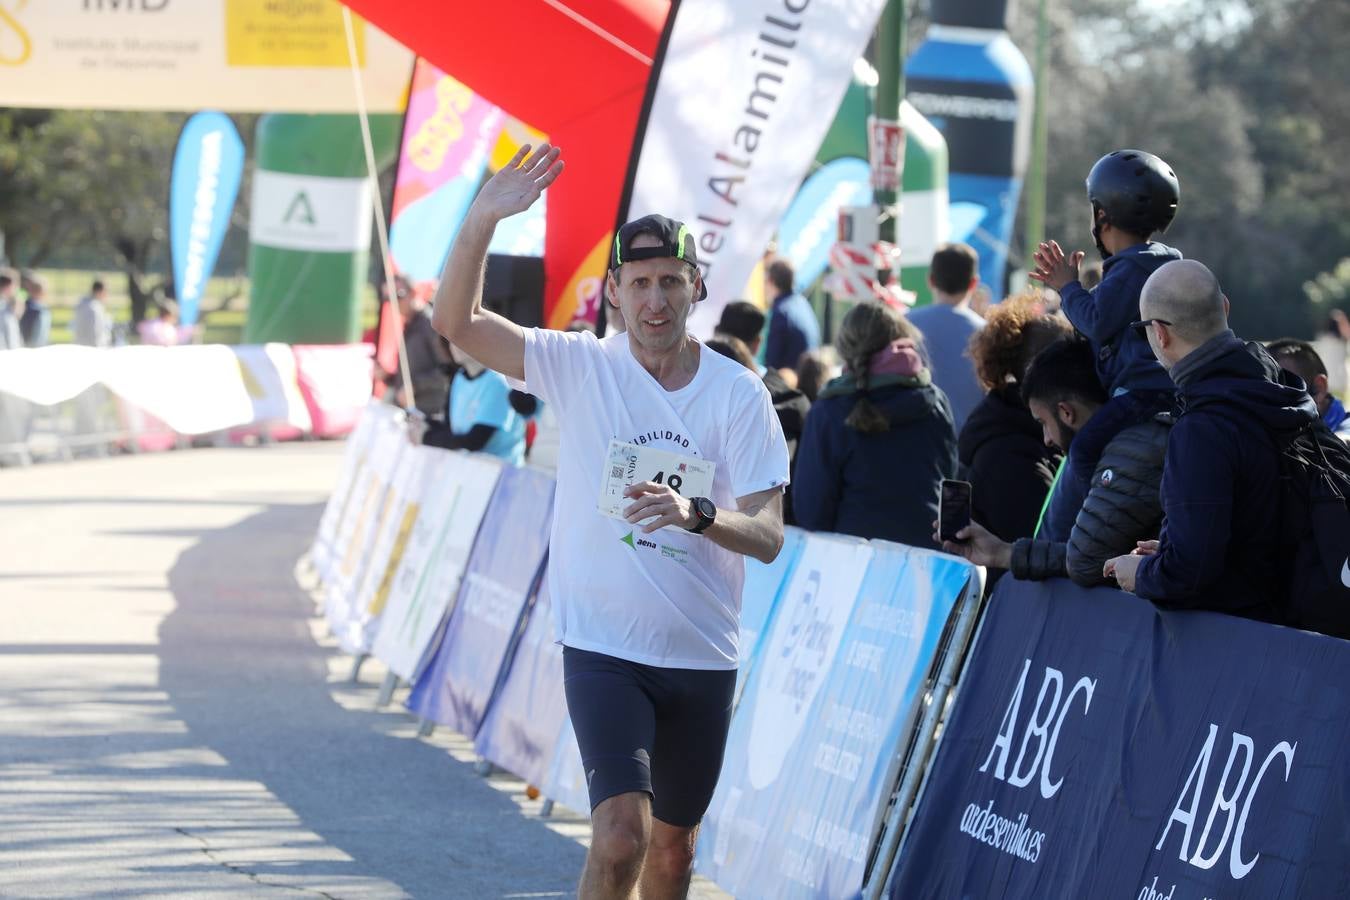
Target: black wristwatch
706	511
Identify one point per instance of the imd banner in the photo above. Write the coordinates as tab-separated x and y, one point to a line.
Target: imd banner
207	168
741	106
238	55
1101	748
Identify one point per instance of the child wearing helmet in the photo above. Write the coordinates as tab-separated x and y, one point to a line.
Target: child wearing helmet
1134	195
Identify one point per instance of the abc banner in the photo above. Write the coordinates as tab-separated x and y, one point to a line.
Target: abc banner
1100	748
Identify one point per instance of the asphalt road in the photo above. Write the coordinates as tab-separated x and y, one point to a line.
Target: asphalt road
174	721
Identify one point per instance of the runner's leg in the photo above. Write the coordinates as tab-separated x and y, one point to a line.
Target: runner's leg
693	715
621	828
613	716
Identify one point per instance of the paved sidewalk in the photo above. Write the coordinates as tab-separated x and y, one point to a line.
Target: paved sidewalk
174	722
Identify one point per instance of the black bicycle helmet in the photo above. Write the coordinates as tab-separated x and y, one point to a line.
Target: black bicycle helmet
1137	190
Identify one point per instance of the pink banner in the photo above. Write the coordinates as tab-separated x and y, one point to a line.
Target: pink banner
448	134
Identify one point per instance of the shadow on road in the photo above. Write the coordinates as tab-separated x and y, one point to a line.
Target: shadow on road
241	669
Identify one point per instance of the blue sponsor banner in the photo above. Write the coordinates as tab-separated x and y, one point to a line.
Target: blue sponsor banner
1101	748
455	688
763	585
207	167
811	224
526	720
844	656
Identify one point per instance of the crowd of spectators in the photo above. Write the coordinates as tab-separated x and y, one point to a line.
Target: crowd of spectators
1113	428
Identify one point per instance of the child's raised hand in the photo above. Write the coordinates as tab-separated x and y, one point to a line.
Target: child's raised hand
1053	268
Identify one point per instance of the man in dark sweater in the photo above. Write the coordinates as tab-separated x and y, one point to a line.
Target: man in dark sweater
1220	487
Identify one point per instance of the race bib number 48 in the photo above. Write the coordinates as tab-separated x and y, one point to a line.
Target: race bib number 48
629	464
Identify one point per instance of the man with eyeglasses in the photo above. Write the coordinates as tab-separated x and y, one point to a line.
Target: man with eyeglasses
1220	488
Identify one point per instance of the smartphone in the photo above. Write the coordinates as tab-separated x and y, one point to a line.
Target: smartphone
954	511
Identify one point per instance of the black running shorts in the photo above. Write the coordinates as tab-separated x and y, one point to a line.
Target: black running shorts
651	729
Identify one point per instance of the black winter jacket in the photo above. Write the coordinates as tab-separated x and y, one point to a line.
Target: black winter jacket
1220	490
1007	464
1123	506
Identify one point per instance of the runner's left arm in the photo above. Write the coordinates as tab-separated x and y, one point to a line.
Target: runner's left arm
754	528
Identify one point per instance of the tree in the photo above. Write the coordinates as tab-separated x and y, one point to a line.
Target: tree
1247	100
98	180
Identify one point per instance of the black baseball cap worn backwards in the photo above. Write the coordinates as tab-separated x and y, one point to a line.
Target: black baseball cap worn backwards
677	242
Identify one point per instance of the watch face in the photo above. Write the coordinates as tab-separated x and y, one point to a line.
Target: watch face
706	508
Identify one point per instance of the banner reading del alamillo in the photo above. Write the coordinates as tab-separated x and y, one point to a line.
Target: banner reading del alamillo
741	106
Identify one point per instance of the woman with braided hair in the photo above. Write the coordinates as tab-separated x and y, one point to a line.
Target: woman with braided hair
879	439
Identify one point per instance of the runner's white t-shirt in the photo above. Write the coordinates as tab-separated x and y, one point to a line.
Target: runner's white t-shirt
670	598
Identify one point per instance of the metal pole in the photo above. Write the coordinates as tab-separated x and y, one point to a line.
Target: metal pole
890	89
1039	139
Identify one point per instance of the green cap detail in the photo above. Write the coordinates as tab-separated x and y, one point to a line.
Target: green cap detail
618	251
628	539
679	241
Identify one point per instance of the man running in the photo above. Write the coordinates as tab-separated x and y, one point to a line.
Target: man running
671	468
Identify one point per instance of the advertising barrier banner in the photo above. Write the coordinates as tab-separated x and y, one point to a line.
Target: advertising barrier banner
193	389
354	459
1101	748
759	597
273	384
458	487
335	382
356	532
385	547
843	660
525	722
500	577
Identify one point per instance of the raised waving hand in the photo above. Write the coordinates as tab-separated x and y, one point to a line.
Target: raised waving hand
520	182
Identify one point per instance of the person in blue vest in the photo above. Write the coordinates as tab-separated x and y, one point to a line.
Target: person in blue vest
793	328
480	414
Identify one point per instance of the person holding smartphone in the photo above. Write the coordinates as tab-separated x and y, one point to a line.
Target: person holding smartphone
1123	506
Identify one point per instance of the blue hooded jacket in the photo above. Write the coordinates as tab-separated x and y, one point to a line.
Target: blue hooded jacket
876	485
1103	315
1220	486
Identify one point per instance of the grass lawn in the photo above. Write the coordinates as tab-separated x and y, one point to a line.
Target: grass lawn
221	325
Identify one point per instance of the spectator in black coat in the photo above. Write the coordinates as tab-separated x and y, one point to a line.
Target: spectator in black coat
743	323
1122	507
1002	455
879	439
1220	488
